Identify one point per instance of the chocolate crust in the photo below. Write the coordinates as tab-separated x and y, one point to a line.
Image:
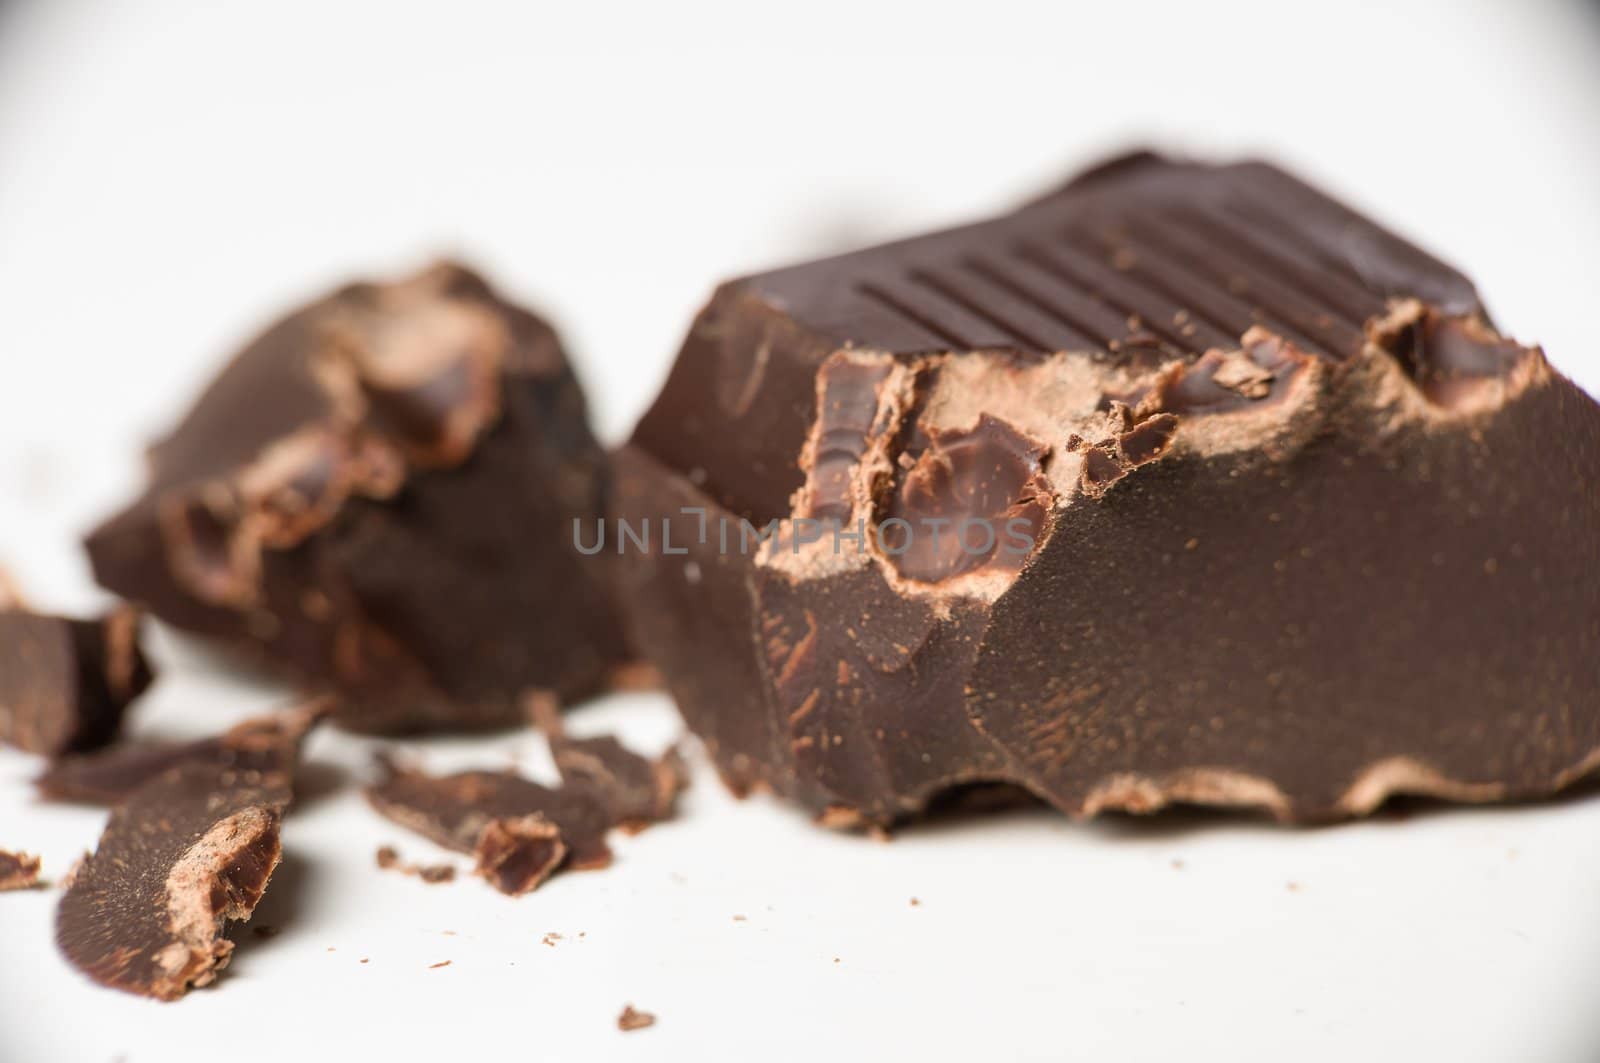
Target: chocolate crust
64	683
383	458
1282	555
184	854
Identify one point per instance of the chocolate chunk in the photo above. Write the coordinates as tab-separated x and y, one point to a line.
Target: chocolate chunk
633	1019
1182	483
185	853
520	831
258	746
18	871
378	496
65	684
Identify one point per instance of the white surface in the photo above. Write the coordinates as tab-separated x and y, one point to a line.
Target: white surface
171	176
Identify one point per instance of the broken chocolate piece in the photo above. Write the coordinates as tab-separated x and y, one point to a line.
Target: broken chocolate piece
256	746
455	810
633	1019
184	854
1182	483
520	831
516	855
636	791
65	684
18	871
378	496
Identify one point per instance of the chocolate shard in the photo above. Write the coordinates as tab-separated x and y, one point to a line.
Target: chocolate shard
633	1019
520	831
636	791
1243	501
184	854
518	854
378	496
65	683
18	871
254	748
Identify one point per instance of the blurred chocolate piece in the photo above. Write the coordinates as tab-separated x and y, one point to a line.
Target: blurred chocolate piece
636	791
633	1019
184	854
1183	483
18	871
378	496
519	831
65	684
259	745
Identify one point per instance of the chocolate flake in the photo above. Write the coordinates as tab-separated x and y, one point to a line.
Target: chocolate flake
519	831
184	854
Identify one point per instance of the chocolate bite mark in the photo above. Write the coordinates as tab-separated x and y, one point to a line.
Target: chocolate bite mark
18	871
1457	363
1245	498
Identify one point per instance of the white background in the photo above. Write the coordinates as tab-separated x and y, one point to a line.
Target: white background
173	175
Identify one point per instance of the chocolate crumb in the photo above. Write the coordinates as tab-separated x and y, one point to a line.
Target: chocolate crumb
18	871
441	963
388	858
633	1019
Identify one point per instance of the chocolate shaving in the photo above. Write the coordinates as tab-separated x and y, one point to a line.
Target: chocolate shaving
184	854
520	831
255	747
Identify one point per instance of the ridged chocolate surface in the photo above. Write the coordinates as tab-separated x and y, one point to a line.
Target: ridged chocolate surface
1143	254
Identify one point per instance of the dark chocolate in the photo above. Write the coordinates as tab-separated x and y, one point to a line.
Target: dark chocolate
184	854
520	831
636	791
378	496
18	871
64	683
1296	527
109	776
388	859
